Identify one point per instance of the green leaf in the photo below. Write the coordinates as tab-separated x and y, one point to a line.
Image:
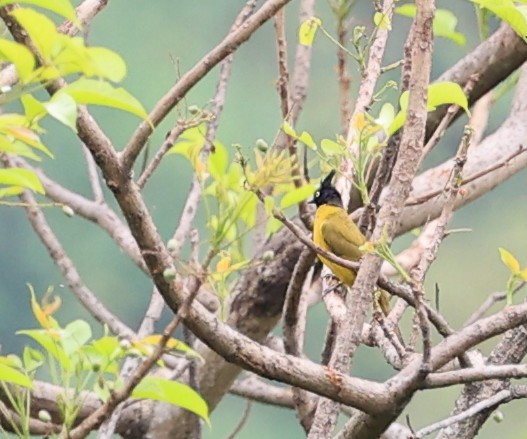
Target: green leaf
330	147
308	30
22	178
60	7
382	21
288	129
445	22
50	341
440	93
523	274
307	140
509	260
20	56
513	15
97	92
218	161
297	195
106	63
172	392
39	28
63	108
10	375
33	359
386	116
16	147
33	108
75	335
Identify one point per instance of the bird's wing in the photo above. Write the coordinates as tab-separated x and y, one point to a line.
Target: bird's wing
343	237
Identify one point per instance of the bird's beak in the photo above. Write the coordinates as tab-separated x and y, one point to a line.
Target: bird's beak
312	201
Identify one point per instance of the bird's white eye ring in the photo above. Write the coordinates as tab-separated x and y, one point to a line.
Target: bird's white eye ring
317	194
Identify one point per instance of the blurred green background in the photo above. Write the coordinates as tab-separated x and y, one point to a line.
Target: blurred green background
160	41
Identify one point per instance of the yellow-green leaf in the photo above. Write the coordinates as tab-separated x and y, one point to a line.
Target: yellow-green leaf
39	28
308	30
513	15
288	129
297	195
382	21
509	260
11	375
172	392
106	63
218	161
60	7
96	92
22	178
63	108
307	140
523	274
269	204
20	56
330	147
445	22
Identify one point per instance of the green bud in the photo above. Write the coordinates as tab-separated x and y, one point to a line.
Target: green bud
44	415
498	416
169	274
262	145
172	245
68	211
194	109
268	256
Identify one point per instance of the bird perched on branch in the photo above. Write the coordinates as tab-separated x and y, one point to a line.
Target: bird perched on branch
334	231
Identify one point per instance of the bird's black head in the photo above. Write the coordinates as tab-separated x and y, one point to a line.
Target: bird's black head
326	193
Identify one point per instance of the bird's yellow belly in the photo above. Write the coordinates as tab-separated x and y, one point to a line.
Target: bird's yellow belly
345	275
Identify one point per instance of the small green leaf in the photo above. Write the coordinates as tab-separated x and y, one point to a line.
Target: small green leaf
297	195
75	335
60	7
33	359
16	147
172	392
63	108
218	161
33	108
39	28
509	260
445	22
523	274
288	129
510	13
386	116
96	92
10	375
106	63
307	140
330	147
20	56
442	93
22	178
308	30
49	340
382	21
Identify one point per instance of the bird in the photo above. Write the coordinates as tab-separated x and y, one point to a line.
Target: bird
335	231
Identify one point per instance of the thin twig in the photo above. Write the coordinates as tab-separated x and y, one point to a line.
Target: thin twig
68	270
230	43
493	401
243	420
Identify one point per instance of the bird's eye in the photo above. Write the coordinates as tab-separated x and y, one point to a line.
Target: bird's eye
317	194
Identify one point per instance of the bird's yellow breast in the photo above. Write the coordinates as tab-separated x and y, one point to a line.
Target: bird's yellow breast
338	219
